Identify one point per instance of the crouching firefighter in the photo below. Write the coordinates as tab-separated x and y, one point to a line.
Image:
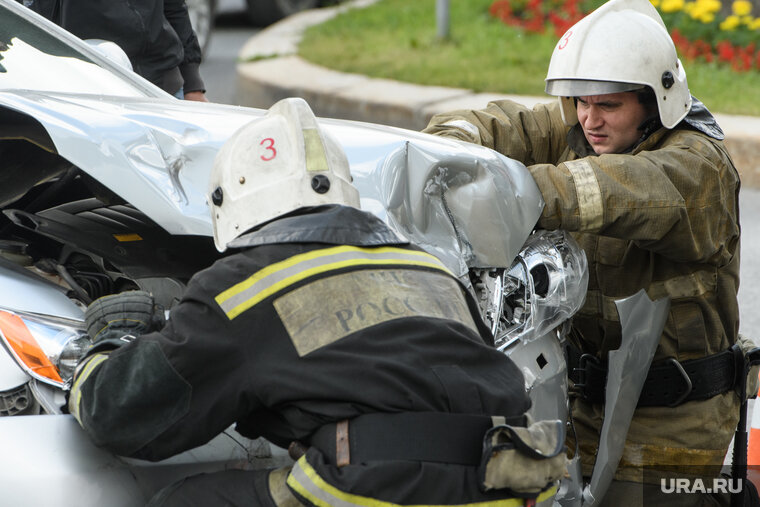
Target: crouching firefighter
324	332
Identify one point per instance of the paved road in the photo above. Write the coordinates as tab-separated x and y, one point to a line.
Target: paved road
231	31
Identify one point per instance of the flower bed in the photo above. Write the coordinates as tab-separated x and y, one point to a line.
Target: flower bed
701	29
536	15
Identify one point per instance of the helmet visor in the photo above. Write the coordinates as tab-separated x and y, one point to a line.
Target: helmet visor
584	87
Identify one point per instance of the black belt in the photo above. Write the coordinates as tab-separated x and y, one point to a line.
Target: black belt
668	383
414	436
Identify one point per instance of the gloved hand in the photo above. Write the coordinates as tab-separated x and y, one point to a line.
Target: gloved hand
127	313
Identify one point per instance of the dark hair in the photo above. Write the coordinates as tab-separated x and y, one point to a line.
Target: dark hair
647	97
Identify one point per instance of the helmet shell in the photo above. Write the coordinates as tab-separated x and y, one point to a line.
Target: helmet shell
621	46
274	165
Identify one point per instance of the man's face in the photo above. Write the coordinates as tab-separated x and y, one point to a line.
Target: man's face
610	122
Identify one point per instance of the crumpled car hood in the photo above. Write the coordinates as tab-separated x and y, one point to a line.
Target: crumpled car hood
465	203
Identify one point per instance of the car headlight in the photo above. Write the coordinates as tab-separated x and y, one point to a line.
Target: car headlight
544	287
47	348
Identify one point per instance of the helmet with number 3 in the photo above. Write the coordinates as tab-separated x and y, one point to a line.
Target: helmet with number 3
621	46
274	165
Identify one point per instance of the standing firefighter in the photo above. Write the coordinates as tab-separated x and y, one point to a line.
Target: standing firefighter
323	329
636	168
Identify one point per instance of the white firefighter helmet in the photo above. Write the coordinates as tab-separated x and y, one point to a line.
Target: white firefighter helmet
274	165
621	46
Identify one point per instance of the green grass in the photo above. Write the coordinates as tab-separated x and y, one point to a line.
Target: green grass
396	39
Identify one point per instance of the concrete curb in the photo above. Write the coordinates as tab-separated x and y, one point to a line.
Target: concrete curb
270	70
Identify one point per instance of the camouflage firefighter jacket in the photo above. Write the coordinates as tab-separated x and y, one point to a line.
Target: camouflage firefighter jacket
663	217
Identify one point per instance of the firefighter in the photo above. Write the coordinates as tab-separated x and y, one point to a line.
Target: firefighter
324	332
637	169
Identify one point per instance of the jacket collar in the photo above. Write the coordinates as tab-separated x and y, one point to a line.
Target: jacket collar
331	224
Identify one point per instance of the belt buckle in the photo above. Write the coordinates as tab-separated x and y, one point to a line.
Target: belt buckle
685	377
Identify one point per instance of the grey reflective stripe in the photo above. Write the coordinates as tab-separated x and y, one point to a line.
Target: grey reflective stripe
278	276
467	127
589	194
686	286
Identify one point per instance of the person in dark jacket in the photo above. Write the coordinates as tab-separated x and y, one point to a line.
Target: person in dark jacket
324	331
156	35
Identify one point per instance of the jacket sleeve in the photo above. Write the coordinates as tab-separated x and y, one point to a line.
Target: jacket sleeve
162	393
176	13
531	136
679	200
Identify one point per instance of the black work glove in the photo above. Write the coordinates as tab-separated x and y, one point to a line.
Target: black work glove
127	313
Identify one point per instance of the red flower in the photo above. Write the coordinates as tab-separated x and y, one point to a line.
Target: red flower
745	58
704	50
561	24
498	7
501	9
726	52
535	25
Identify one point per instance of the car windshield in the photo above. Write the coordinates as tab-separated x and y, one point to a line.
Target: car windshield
34	55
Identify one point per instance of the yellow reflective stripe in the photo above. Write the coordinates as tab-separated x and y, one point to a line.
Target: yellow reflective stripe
589	194
76	393
304	480
316	160
280	275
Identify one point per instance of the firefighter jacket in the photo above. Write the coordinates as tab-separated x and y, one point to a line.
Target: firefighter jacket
663	217
316	318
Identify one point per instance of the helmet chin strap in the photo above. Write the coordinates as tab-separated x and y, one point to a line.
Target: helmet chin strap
647	128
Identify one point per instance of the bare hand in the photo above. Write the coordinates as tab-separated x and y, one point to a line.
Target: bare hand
197	96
